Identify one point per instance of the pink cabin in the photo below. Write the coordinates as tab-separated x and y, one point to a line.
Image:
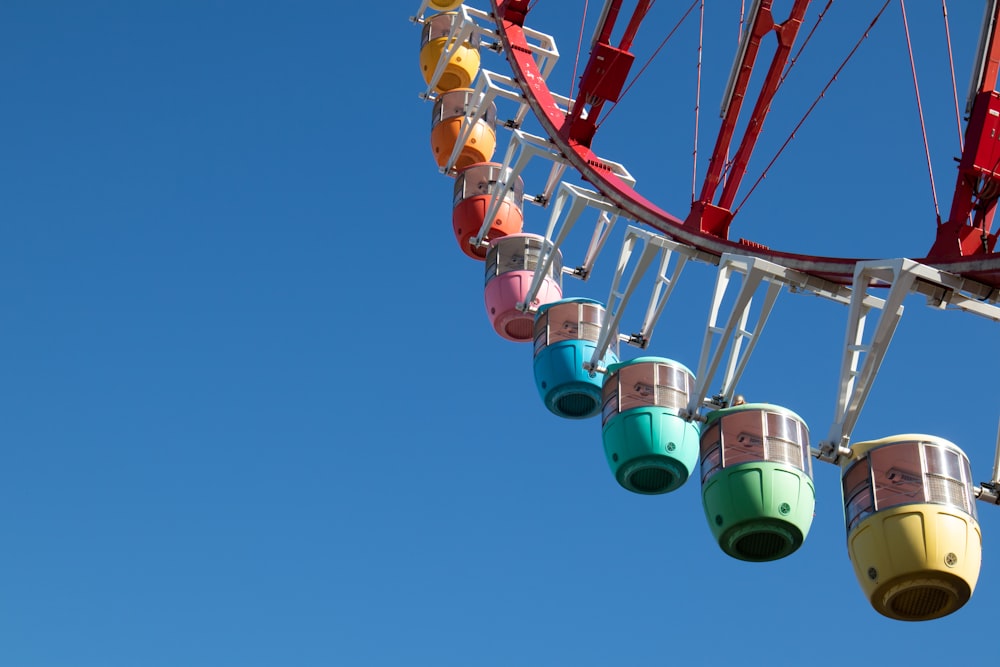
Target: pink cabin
474	188
510	267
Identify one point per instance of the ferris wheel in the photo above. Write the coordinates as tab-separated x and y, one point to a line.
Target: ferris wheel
909	499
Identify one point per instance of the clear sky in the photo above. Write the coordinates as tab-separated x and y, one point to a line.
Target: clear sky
253	412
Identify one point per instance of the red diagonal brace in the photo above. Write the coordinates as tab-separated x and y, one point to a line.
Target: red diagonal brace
714	218
967	231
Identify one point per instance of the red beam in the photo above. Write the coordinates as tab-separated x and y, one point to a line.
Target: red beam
786	32
967	231
714	217
763	23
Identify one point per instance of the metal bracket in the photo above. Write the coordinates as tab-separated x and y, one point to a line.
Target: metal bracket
523	147
652	246
754	271
462	28
902	277
489	87
541	45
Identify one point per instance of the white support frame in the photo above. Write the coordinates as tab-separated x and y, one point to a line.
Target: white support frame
524	146
754	271
489	87
652	246
542	46
462	28
902	276
579	199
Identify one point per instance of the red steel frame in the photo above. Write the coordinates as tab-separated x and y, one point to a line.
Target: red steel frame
964	243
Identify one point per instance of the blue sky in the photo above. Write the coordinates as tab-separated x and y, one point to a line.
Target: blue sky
253	410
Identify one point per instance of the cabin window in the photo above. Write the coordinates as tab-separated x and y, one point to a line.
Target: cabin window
439	26
905	473
948	478
643	385
609	394
896	474
858	501
742	437
759	435
482	180
711	452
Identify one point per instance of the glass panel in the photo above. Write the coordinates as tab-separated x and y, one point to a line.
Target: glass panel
475	181
711	463
857	476
541	331
439	25
782	426
591	319
943	461
449	105
857	483
947	477
491	264
784	440
742	437
783	451
947	491
674	377
858	507
671	387
435	27
511	257
710	438
555	269
637	386
896	471
609	395
516	194
711	452
563	322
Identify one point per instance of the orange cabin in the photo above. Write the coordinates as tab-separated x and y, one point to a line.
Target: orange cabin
478	143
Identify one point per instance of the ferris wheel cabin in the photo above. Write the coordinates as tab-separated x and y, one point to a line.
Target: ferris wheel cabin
511	262
649	447
475	186
444	5
566	334
446	130
912	531
756	480
462	65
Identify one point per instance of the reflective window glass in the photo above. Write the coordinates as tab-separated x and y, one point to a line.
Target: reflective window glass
591	319
784	440
711	451
858	507
541	331
711	463
638	386
439	25
857	485
609	397
948	478
943	461
742	437
897	474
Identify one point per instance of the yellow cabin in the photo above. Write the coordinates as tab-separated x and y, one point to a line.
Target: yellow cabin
912	531
462	59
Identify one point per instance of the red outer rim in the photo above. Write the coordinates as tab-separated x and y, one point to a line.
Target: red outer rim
985	269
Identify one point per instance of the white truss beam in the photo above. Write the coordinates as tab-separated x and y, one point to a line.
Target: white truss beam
861	360
652	246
